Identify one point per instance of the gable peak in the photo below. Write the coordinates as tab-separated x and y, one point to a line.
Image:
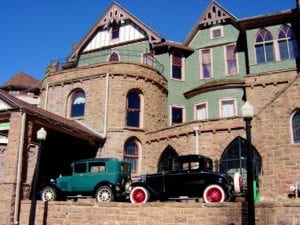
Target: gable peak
114	14
214	14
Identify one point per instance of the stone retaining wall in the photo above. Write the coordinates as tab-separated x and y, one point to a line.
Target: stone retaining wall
88	212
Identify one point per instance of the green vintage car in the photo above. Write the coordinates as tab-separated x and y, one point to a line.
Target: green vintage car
106	179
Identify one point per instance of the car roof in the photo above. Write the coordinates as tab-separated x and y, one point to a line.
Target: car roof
97	160
191	157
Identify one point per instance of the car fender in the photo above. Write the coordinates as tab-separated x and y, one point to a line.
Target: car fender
105	183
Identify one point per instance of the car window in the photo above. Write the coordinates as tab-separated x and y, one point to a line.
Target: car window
80	168
125	166
97	167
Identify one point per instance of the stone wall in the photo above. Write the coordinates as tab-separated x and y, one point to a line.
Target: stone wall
88	212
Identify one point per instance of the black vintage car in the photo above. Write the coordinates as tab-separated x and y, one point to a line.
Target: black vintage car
186	177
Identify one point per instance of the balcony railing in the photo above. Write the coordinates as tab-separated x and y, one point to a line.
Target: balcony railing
105	56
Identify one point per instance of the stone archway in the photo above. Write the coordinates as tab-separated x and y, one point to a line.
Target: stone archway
163	162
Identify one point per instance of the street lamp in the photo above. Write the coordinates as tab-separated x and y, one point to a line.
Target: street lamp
41	137
247	114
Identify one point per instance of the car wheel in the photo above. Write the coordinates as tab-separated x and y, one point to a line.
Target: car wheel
213	193
104	194
48	193
139	195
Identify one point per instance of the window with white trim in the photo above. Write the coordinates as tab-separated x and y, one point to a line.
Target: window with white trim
216	32
231	60
287	43
177	115
177	65
227	108
201	112
206	64
148	59
264	48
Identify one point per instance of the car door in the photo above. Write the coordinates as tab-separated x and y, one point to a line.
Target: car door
78	180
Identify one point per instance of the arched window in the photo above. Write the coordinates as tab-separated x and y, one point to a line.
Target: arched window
114	57
77	103
133	117
264	49
296	127
177	65
287	43
131	153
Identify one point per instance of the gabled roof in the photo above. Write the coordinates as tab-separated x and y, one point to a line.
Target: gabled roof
72	127
23	82
173	45
214	14
115	14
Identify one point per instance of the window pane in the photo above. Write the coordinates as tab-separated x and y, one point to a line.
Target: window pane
227	108
201	112
133	109
260	55
176	72
78	104
131	154
80	168
296	128
283	48
269	52
293	49
177	116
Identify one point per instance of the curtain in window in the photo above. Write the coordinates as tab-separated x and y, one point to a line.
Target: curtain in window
201	112
131	154
227	108
206	63
176	65
78	104
231	60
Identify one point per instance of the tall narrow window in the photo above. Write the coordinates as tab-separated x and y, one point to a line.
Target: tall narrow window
206	67
131	153
296	127
227	108
177	115
177	65
287	43
115	31
201	111
114	57
264	49
78	103
133	109
231	62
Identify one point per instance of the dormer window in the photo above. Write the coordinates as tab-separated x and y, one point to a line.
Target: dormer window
216	32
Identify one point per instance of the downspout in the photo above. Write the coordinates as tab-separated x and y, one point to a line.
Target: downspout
19	170
106	104
196	130
46	97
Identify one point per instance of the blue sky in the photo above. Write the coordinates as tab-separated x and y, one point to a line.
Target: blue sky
34	32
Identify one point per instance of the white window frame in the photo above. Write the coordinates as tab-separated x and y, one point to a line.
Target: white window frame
183	114
221	112
225	61
205	104
201	65
182	68
214	29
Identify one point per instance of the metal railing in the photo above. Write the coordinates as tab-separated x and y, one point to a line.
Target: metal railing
109	55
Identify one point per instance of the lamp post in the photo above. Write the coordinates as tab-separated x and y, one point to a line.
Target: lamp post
247	114
41	137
